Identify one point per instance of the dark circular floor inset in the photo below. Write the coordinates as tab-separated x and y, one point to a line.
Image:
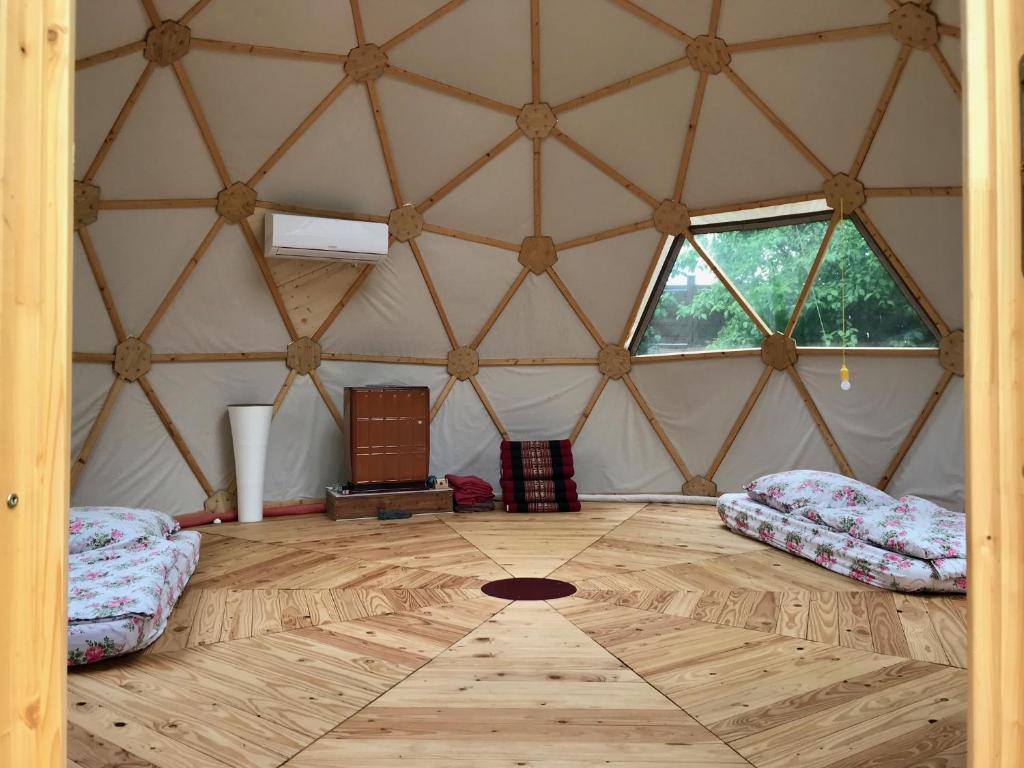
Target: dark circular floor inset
528	589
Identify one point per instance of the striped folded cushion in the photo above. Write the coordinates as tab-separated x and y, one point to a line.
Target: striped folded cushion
536	459
530	491
543	506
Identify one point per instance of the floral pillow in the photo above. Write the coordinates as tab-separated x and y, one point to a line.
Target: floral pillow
910	526
98	527
787	491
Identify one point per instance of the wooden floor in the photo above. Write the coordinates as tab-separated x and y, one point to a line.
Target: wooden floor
310	643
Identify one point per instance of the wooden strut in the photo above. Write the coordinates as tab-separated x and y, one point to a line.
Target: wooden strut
268	278
826	433
95	430
826	36
812	274
192	12
608	90
158	203
571	300
442	396
716	14
419	25
538	226
588	408
915	429
691	134
364	273
602	166
382	136
702	354
119	121
727	283
434	297
282	393
351	357
215	357
741	419
947	71
469	237
449	90
468	171
270	51
903	192
151	11
489	408
880	110
328	400
114	53
656	426
175	435
625	229
101	283
200	117
357	22
650	18
535	51
505	299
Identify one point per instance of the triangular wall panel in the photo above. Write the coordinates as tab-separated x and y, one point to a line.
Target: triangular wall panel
463	439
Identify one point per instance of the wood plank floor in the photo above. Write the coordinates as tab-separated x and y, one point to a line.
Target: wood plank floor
308	643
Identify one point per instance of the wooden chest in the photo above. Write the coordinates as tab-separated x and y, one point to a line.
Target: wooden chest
387	433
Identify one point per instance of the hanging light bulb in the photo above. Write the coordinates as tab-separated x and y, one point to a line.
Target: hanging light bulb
844	378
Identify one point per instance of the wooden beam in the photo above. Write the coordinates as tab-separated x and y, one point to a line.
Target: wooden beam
382	136
505	299
911	192
364	272
352	357
571	301
994	400
727	283
200	117
357	22
179	441
78	466
328	400
691	135
489	408
470	237
741	419
268	278
701	354
947	71
625	229
442	396
114	53
656	426
812	274
880	109
535	51
915	430
434	297
538	208
603	167
157	203
608	90
512	362
119	121
430	18
643	294
588	408
151	12
825	36
747	205
192	12
215	357
320	212
101	283
182	278
630	7
871	351
716	15
819	420
775	120
269	51
469	170
282	393
449	90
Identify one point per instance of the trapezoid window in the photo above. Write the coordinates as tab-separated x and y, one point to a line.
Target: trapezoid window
709	290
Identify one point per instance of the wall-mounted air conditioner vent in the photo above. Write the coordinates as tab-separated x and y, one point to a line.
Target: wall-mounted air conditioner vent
289	236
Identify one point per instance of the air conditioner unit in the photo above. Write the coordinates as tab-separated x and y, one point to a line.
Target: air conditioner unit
288	236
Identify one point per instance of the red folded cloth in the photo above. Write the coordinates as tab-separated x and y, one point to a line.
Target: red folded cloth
529	491
543	506
470	490
536	459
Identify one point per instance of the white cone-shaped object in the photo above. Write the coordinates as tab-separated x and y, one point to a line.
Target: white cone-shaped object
250	433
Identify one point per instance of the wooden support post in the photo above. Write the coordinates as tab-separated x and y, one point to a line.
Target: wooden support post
589	408
994	295
741	419
175	435
36	85
656	426
812	274
915	430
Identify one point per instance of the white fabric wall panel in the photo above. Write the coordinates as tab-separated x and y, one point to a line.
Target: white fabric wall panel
327	23
689	17
89	386
618	451
870	420
470	279
538	323
99	95
622	263
779	434
159	152
106	24
304	455
927	236
934	467
539	402
224	306
392	313
750	19
196	396
463	440
680	396
383	19
493	62
135	463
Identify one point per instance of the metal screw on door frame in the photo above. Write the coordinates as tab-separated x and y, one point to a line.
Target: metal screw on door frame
12	500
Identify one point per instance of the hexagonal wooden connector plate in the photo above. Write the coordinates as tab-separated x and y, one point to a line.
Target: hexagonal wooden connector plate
613	361
778	351
951	352
537	254
708	54
236	202
303	355
87	204
671	218
366	62
405	223
132	358
220	503
536	120
167	42
914	26
463	362
841	188
698	485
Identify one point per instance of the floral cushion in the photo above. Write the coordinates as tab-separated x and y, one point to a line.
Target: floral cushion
787	491
911	525
97	527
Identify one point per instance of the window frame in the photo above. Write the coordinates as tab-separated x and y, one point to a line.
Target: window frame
658	286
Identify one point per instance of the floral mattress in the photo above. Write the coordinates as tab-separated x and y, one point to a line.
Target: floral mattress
126	570
842	552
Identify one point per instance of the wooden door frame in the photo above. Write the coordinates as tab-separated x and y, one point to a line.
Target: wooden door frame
36	82
994	402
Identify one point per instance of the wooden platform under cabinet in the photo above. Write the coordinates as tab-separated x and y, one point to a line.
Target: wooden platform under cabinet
347	506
